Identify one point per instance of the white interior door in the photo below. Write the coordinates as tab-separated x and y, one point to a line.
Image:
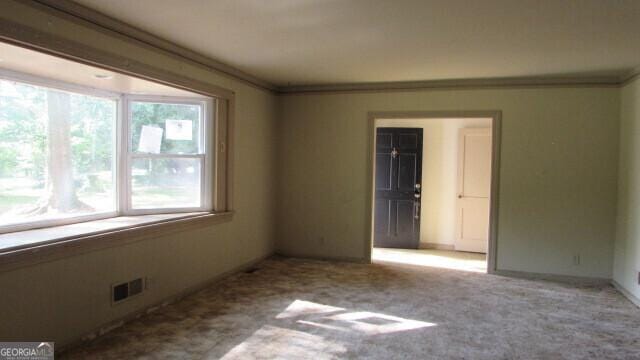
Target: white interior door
474	186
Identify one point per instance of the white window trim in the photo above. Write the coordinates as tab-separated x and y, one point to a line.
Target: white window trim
207	141
209	182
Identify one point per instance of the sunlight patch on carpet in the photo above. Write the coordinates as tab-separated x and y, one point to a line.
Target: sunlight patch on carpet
306	330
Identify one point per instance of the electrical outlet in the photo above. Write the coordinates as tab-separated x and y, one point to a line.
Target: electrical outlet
149	283
576	259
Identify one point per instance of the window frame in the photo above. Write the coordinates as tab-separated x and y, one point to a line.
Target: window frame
214	150
207	141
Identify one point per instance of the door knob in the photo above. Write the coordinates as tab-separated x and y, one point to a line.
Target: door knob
459	196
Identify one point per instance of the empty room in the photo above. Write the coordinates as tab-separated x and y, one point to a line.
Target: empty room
319	179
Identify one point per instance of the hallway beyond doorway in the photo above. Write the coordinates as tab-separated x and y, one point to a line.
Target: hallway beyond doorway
446	259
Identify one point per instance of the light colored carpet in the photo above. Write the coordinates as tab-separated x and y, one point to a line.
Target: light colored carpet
303	309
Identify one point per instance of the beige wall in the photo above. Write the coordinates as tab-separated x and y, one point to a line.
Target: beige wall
557	179
627	246
439	174
64	299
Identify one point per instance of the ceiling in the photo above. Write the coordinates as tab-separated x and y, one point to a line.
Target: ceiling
316	42
51	67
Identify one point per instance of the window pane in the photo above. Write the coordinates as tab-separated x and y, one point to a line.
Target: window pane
165	183
56	154
165	128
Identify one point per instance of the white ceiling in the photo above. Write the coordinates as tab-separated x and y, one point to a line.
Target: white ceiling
301	42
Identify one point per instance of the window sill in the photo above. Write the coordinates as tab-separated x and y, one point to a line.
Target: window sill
29	247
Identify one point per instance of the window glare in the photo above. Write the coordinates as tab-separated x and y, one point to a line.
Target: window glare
165	183
56	154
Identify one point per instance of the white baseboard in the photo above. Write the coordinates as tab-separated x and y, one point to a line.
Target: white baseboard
634	299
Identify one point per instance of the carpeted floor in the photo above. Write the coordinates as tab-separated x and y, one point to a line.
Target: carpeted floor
303	309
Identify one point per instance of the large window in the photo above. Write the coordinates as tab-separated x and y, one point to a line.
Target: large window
167	159
70	154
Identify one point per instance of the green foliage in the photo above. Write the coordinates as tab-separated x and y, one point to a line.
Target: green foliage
21	130
155	114
92	134
8	160
23	134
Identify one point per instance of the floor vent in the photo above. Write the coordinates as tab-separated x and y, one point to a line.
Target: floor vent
123	291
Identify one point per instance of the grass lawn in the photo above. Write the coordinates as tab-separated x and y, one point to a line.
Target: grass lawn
8	201
143	197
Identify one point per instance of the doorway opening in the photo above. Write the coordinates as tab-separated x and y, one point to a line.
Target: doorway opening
434	189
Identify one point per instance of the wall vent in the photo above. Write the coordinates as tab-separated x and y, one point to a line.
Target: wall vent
126	290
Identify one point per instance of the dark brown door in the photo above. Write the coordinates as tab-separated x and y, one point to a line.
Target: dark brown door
397	197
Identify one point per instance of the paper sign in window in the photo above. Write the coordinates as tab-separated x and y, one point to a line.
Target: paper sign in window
150	139
179	129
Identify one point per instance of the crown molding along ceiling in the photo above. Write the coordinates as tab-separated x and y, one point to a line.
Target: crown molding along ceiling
106	23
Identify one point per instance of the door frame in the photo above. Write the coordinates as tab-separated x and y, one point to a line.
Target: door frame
496	125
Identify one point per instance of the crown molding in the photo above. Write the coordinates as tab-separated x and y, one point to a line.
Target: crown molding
630	76
105	23
27	37
518	82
